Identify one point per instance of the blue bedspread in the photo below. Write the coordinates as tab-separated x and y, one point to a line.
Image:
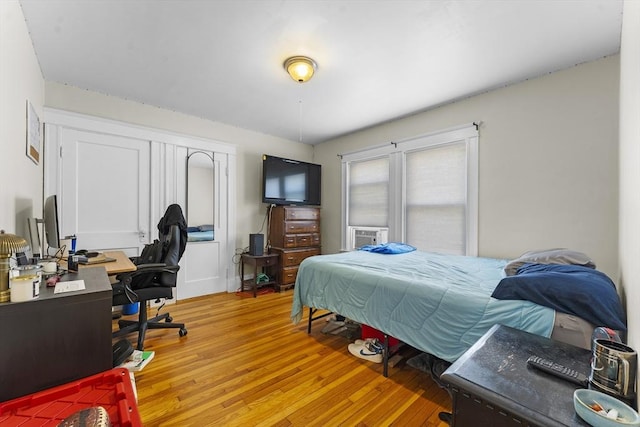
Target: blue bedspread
440	304
200	236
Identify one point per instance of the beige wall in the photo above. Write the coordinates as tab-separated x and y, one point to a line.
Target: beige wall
548	152
548	163
250	145
20	80
630	167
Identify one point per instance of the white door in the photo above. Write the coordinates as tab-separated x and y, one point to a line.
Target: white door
105	191
204	263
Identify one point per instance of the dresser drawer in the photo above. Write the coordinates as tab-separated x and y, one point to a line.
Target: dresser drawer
301	240
288	275
301	213
295	257
301	227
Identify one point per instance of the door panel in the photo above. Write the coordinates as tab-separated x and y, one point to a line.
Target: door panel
105	193
202	272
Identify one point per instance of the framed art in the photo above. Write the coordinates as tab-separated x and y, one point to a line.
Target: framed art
33	134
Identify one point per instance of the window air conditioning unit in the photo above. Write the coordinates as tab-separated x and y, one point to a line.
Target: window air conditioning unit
362	236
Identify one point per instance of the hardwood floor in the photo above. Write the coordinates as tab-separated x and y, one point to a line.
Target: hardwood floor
243	363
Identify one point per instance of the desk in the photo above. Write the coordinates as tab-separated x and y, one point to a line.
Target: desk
56	338
257	261
491	384
122	263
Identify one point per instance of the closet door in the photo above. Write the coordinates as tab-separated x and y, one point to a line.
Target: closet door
105	190
205	268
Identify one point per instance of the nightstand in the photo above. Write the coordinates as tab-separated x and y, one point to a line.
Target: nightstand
260	264
492	385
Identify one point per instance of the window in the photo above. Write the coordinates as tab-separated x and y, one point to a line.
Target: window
423	189
369	192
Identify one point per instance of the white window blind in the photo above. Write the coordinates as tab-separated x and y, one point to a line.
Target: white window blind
424	189
369	193
435	206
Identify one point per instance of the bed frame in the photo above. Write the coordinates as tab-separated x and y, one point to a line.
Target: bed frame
385	341
327	298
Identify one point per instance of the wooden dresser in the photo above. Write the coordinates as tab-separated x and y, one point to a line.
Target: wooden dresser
294	234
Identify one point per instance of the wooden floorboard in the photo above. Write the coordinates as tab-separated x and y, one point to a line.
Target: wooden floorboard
243	363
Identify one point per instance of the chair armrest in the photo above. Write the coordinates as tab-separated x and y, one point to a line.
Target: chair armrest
148	268
132	278
143	267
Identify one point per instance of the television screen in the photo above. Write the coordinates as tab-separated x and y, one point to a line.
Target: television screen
290	182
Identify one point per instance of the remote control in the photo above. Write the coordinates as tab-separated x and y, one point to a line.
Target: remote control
558	370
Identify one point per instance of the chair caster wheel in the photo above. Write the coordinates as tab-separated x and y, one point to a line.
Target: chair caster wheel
182	332
169	319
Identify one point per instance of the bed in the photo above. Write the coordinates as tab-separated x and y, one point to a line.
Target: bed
442	304
201	233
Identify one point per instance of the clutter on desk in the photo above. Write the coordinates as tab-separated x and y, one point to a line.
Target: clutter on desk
9	244
24	282
94	258
69	286
52	280
68	243
50	267
72	262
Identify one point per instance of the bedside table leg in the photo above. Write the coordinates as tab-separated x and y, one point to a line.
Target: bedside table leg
255	280
241	276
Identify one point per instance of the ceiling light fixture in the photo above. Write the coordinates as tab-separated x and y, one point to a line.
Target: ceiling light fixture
300	68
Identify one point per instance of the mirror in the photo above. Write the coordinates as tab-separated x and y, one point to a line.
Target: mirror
200	196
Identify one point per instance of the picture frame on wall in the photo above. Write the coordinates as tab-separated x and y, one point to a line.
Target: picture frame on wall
33	134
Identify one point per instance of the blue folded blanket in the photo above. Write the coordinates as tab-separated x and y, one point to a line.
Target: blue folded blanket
571	289
388	248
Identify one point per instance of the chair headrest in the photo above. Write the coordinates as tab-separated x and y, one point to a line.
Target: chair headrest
173	217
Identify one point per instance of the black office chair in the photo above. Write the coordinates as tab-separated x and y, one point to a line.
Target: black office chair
155	276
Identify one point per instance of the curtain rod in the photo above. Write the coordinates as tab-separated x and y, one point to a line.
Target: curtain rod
475	124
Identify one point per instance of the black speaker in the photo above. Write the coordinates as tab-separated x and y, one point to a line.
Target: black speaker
256	244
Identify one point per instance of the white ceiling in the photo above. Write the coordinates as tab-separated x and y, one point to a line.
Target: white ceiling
377	60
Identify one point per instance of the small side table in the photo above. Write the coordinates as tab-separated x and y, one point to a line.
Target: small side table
492	385
258	262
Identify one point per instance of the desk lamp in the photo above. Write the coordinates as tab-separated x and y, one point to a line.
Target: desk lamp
9	244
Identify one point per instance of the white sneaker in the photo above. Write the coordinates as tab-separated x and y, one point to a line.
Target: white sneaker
368	342
361	351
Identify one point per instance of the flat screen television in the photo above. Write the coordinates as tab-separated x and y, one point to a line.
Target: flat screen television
51	224
290	182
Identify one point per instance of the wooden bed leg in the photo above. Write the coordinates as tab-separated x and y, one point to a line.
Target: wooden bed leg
385	357
310	320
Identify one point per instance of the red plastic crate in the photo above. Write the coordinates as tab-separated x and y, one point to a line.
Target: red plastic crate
369	332
110	389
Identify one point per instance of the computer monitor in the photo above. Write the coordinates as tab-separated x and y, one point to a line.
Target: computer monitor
51	227
34	236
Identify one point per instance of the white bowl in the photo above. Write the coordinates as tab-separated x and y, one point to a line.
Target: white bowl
584	398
